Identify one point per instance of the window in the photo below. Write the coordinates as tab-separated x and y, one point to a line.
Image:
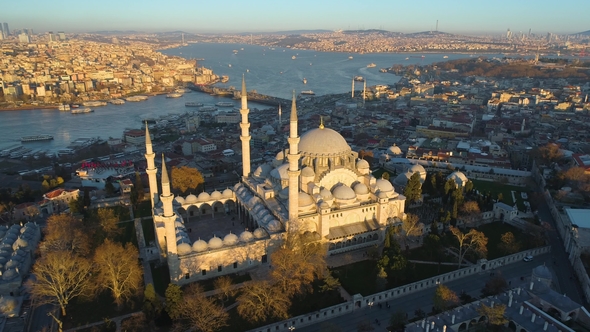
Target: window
219	268
235	265
204	272
264	258
187	276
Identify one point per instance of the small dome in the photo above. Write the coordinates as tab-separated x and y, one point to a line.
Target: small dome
361	189
305	200
215	243
22	243
12	264
200	245
383	185
216	195
227	193
402	179
9	274
203	197
180	200
362	164
263	170
542	271
307	172
382	194
343	192
274	226
190	199
230	239
324	205
459	178
325	194
259	233
417	168
395	150
184	248
178	224
246	236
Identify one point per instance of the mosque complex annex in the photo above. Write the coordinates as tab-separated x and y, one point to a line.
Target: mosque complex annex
318	187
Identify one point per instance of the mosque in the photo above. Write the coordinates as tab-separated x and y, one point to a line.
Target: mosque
318	187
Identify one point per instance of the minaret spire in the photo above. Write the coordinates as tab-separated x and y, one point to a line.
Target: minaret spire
293	170
166	194
280	118
352	88
245	136
151	170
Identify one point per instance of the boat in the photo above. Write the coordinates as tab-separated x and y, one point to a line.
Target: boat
6	152
19	153
94	103
174	95
224	104
371	65
350	57
82	110
224	79
359	78
293	57
117	102
208	109
64	107
65	152
304	81
75	105
229	65
445	57
36	138
136	98
307	92
193	104
407	58
383	70
235	51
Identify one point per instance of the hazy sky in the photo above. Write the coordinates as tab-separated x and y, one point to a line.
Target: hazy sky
456	16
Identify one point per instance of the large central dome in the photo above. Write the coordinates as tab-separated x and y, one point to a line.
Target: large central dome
323	141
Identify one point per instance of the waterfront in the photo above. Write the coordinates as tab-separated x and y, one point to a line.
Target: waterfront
328	73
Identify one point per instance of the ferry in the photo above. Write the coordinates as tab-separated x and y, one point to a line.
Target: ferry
293	57
224	104
193	104
359	78
64	107
445	57
307	92
36	138
304	81
82	110
94	103
371	65
65	152
136	98
208	109
6	152
174	95
117	101
350	57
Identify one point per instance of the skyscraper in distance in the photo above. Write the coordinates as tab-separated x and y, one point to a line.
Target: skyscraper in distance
6	31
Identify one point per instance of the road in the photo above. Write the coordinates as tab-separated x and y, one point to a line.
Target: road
472	285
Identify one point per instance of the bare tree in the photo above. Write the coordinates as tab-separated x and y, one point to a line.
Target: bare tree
119	270
224	286
471	211
60	277
201	313
65	232
472	241
108	221
260	300
412	226
31	211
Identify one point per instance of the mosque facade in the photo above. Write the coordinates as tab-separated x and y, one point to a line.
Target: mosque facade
317	187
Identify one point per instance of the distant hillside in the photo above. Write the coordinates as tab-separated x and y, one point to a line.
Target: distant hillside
116	32
431	33
288	32
585	33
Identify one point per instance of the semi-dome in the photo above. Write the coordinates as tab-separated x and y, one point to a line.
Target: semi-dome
263	170
383	185
394	150
325	194
362	164
216	195
200	245
307	172
281	172
402	179
184	248
323	141
203	197
305	200
230	239
361	189
227	193
343	192
180	200
418	169
280	155
215	243
259	233
190	199
246	236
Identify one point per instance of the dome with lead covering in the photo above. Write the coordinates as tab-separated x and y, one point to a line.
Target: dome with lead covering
343	192
184	248
362	164
215	243
230	239
361	189
307	172
216	195
263	170
180	200
281	172
190	199
246	236
259	233
203	197
383	185
200	245
274	226
9	274
227	193
323	142
305	200
395	150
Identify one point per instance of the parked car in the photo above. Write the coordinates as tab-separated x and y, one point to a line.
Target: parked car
528	258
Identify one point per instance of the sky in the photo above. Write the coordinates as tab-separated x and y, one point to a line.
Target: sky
199	16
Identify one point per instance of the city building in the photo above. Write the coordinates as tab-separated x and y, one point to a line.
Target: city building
134	136
318	187
6	30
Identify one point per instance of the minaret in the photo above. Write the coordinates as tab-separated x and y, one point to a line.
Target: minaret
168	215
364	91
280	118
245	125
151	170
522	126
293	169
352	88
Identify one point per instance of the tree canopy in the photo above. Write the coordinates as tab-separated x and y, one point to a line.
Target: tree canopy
444	298
472	241
185	178
260	300
65	232
413	189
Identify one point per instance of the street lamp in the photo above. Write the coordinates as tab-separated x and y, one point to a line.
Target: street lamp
371	304
291	328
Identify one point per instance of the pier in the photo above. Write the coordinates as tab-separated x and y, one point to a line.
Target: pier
236	94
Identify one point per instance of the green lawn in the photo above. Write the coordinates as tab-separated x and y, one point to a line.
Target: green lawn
358	277
149	234
144	209
161	277
494	231
127	233
496	188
